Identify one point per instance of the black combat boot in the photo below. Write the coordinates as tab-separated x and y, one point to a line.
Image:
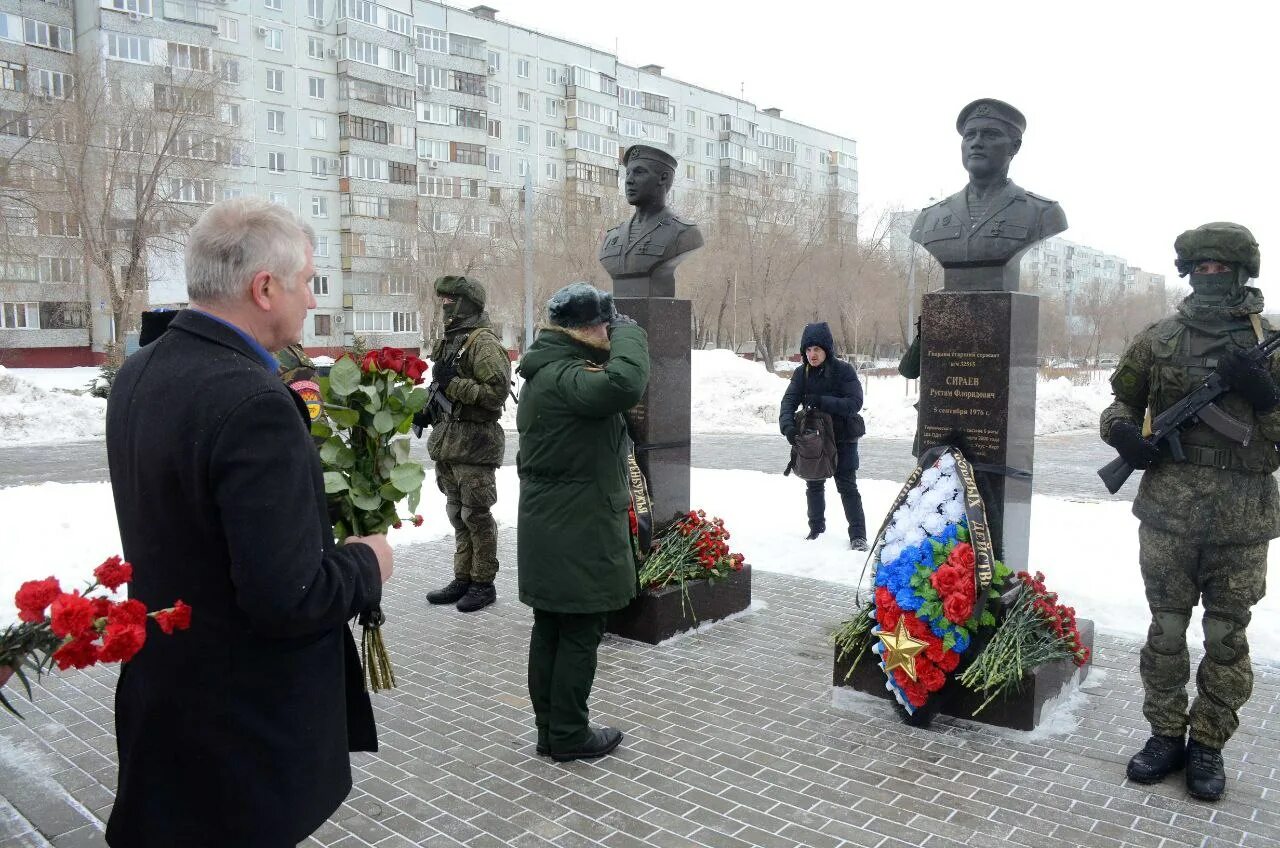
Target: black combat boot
1206	776
479	595
858	544
600	741
1161	756
449	594
814	532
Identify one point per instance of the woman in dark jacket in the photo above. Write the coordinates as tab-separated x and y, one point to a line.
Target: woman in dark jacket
831	386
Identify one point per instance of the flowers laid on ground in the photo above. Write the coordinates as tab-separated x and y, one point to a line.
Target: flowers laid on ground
78	629
1036	629
693	547
369	408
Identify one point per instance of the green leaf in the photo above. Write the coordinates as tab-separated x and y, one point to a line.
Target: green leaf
408	477
390	493
345	418
335	454
344	377
384	422
417	400
949	641
987	619
334	482
400	449
373	397
366	501
414	497
962	534
340	530
321	429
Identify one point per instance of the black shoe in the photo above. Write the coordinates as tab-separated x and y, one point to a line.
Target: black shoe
600	741
544	747
1161	756
479	596
450	594
813	534
1206	777
858	544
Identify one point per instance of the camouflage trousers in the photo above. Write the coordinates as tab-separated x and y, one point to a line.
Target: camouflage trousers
470	491
1228	580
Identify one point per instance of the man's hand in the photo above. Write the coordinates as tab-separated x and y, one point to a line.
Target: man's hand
381	549
790	436
814	401
620	320
1127	439
1251	379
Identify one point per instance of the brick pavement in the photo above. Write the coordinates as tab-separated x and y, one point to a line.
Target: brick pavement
732	741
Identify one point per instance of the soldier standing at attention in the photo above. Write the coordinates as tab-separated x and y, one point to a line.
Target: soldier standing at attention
472	370
1205	523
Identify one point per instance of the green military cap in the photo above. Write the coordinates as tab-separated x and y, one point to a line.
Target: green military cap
653	154
1220	241
988	107
460	286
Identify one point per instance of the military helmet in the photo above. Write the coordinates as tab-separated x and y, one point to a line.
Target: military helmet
1221	241
461	287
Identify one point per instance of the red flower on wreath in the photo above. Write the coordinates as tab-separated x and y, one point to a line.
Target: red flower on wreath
929	675
957	608
34	597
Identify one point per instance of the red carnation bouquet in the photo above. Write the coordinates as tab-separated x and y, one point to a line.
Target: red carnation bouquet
78	629
692	548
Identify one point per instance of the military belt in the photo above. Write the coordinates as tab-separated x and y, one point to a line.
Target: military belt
1224	458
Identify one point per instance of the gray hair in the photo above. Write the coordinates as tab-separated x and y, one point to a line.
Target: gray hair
237	238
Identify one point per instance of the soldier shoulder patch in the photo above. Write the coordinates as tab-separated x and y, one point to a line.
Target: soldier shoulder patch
1129	383
1040	197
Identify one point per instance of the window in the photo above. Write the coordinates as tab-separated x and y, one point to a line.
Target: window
552	139
322	325
190	57
553	107
277	5
315	87
495	197
495	128
495	93
522	68
691	117
404	322
690	172
315	47
229	70
322	246
468	154
552	75
319	128
274	39
57	224
319	209
186	190
320	284
315	10
433	113
279	198
435	186
52	83
711	123
128	48
229	192
495	60
275	162
711	150
552	171
494	162
41	34
371	322
229	113
404	173
20	316
365	168
522	133
434	40
433	149
398	23
275	79
275	121
59	269
319	167
228	28
522	167
142	7
524	102
13	77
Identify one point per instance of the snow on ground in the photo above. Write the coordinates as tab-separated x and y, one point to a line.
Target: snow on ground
1088	551
44	410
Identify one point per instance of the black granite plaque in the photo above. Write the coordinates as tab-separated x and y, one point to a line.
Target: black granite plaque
660	422
657	615
978	391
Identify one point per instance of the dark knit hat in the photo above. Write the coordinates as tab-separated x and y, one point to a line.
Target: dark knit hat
580	305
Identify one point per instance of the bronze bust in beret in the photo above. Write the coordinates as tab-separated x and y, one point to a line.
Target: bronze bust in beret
641	254
992	221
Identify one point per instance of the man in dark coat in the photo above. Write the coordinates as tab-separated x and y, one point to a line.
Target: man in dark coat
238	733
827	384
585	369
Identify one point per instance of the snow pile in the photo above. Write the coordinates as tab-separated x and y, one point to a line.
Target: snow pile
32	415
1061	406
734	395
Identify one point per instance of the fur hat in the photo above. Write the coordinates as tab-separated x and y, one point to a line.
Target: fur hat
580	305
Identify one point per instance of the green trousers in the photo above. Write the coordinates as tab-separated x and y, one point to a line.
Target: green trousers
1228	580
470	491
562	669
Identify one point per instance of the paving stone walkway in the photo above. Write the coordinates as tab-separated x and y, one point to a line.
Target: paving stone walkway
732	740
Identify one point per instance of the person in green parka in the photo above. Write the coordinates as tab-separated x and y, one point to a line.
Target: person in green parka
586	368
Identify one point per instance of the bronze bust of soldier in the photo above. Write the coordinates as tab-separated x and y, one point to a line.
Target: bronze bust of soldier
992	221
641	254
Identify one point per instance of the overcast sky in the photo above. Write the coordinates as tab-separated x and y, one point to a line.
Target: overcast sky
1143	118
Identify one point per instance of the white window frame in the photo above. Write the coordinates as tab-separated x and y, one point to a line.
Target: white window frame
9	315
315	88
276	161
274	39
275	121
277	74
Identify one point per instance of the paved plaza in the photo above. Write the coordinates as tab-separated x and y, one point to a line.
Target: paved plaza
732	740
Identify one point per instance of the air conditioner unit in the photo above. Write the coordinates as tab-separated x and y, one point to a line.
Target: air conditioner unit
337	319
262	32
492	70
332	52
168	69
433	164
135	16
564	80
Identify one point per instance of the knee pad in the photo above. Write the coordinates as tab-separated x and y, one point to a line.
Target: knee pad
1220	642
1168	633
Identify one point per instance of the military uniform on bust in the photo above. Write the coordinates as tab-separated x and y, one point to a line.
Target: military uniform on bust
472	370
1205	523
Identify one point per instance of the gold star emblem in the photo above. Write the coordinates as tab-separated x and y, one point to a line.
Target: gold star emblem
900	649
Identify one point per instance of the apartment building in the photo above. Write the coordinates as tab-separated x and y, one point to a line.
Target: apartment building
379	123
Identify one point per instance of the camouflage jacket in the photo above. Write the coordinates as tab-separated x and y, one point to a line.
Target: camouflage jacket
471	435
1225	493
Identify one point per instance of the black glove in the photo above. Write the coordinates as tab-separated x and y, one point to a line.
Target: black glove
620	320
1127	439
1251	379
421	421
790	436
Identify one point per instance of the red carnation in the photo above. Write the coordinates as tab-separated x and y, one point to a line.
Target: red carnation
888	615
950	660
101	607
123	640
371	361
392	359
113	573
930	675
71	615
130	613
916	627
414	368
178	618
418	520
34	597
78	653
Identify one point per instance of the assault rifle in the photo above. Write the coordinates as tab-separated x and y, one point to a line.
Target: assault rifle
1198	405
438	408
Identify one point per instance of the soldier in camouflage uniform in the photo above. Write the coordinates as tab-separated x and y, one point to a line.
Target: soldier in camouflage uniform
471	368
1205	523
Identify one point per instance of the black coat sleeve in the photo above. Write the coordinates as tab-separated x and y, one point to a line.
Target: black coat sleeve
791	399
847	398
287	580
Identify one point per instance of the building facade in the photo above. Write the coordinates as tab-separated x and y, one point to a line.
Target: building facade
383	124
